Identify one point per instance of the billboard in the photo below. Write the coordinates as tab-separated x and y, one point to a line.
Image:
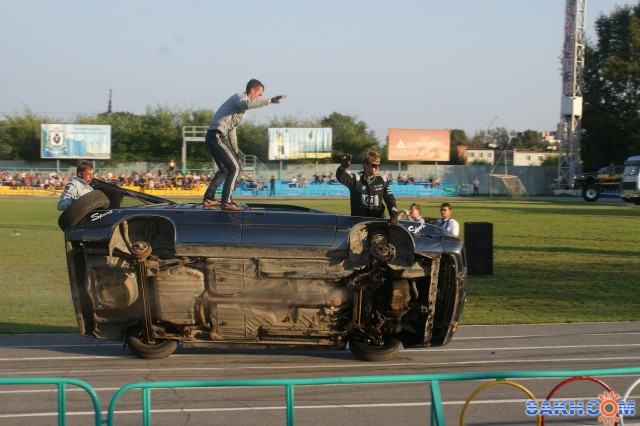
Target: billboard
287	143
419	145
62	141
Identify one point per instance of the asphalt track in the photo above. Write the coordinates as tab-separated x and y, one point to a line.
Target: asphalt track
106	368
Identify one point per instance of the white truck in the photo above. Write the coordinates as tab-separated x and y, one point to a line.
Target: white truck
631	180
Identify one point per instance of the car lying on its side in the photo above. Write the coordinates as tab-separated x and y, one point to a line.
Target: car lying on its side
152	273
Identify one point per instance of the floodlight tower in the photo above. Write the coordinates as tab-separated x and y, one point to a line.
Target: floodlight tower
571	104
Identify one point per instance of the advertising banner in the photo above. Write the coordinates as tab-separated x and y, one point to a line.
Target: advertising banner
419	145
294	143
81	141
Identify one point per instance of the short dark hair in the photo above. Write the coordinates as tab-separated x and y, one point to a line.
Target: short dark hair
84	165
416	205
253	84
445	205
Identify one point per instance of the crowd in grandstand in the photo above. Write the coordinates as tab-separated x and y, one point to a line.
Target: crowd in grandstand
171	178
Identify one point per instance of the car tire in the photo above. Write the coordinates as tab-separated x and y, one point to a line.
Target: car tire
591	193
366	352
84	205
158	350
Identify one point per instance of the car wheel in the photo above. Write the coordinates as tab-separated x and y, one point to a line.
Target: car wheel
141	249
591	193
84	205
374	353
139	346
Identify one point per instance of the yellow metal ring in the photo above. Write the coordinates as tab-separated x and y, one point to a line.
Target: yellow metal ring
497	382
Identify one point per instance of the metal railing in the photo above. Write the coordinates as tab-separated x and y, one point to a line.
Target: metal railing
61	384
197	134
434	380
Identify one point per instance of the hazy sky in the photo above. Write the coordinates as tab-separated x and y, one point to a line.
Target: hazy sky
439	64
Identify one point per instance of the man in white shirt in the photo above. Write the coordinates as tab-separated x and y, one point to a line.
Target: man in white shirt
447	223
77	185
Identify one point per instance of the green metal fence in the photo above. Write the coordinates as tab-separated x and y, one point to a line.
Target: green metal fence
61	384
434	380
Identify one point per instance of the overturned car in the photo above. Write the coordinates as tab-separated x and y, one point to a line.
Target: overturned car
152	273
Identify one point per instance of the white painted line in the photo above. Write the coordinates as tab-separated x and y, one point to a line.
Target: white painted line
518	348
313	366
281	408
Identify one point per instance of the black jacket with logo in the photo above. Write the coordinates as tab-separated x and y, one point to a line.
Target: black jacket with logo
367	195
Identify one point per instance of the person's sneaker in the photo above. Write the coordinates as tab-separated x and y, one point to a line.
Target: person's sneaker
210	204
231	207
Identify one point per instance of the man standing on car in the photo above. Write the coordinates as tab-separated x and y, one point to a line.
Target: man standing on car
222	142
367	189
77	185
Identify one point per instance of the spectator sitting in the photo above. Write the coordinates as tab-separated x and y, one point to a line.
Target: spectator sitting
413	213
251	184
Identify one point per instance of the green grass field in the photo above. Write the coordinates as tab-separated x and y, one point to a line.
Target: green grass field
553	262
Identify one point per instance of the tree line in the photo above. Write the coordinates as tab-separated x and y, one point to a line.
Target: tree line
156	136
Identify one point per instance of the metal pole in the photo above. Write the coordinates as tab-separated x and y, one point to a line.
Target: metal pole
184	157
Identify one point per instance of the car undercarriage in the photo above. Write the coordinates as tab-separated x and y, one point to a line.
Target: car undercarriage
142	285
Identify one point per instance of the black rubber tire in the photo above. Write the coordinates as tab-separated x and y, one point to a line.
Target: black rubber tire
365	352
591	193
158	350
84	205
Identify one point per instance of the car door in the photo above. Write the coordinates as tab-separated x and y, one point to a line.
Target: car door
288	228
207	227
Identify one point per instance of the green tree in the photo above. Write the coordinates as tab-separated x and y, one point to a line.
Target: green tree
611	89
162	137
253	139
350	136
529	139
459	139
20	136
491	138
126	133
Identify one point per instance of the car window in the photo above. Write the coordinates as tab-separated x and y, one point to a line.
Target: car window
631	170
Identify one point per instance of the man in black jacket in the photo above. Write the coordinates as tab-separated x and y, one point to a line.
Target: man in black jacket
367	189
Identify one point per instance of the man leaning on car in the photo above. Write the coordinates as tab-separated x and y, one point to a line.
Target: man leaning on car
77	185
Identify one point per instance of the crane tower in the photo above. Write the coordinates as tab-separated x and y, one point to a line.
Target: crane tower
571	104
